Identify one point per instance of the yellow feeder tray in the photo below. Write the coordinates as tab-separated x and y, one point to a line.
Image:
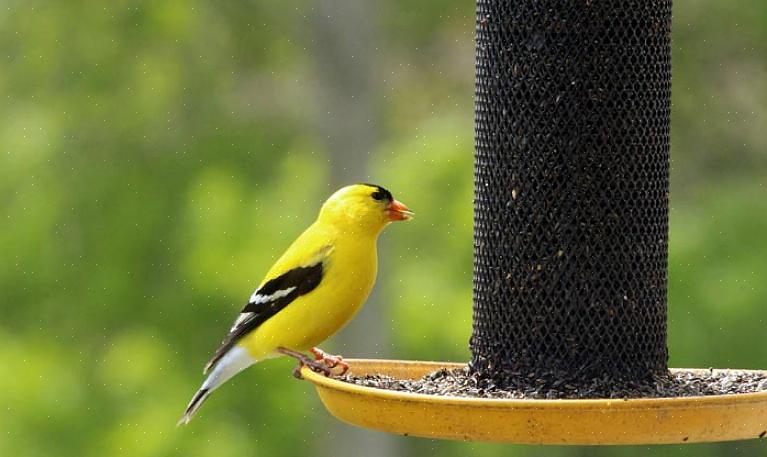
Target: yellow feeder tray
598	421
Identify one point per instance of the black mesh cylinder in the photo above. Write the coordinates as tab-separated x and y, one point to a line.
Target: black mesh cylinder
571	188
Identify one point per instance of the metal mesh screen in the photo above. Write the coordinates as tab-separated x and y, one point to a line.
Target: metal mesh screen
571	188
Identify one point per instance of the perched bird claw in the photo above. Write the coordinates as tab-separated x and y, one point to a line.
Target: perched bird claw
304	360
297	370
330	360
319	367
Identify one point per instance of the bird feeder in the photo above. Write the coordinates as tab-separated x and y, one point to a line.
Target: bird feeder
572	122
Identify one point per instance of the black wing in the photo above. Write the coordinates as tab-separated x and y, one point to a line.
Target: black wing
267	301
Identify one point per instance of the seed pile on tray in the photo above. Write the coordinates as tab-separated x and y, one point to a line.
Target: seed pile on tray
460	382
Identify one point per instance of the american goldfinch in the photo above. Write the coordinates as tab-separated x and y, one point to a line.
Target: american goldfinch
311	292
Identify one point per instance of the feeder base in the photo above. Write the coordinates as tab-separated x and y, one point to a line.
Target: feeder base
562	422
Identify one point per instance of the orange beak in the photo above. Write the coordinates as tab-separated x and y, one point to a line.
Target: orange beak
399	212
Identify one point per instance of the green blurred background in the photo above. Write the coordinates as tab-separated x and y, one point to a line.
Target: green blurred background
156	157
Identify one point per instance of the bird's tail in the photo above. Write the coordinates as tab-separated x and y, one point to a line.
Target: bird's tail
235	360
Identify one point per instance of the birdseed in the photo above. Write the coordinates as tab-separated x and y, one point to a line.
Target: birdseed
460	382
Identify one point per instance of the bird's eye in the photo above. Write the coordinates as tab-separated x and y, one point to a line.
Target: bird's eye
379	196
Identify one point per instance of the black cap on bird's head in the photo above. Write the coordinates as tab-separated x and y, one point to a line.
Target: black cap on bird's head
380	193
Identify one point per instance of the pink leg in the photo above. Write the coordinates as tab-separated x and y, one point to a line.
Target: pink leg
304	360
330	360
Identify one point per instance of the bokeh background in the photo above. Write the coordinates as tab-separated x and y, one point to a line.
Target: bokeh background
156	157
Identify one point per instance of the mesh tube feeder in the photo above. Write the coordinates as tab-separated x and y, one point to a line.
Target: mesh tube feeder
572	121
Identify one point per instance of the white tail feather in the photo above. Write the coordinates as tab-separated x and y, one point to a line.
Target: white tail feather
236	360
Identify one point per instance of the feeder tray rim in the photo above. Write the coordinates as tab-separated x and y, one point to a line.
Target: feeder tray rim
668	420
527	403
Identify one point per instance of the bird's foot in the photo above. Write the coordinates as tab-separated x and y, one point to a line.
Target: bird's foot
304	360
330	360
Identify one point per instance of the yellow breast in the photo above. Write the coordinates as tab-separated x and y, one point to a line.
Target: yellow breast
349	273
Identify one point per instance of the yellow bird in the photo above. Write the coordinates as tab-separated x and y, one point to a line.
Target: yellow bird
311	292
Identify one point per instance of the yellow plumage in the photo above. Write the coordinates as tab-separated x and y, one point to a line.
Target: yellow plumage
314	289
350	264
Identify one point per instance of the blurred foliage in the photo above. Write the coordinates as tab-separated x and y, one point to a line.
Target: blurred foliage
155	157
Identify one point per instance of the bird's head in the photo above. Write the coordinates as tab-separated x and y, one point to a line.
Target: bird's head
364	207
